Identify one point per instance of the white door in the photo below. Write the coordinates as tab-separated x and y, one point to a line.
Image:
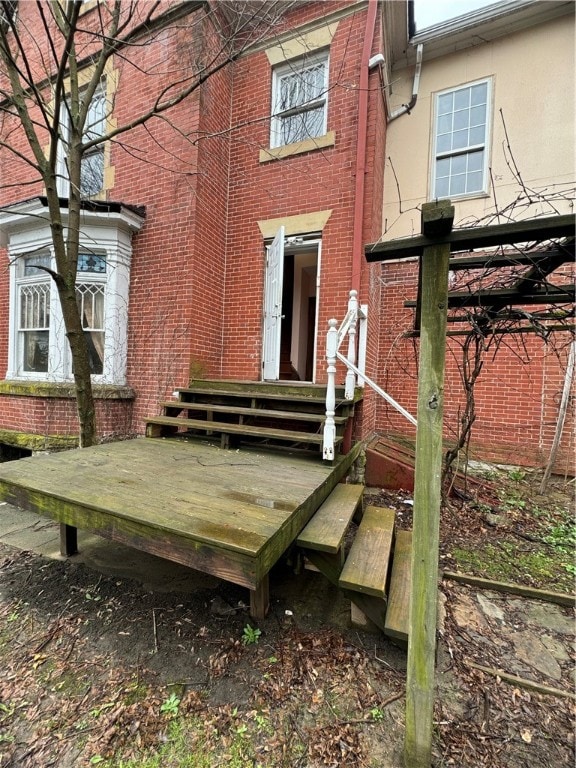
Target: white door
273	307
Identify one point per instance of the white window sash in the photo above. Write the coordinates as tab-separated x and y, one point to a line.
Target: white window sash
282	113
465	151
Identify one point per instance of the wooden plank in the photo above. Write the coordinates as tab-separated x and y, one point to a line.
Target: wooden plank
326	530
236	429
522	682
514	589
182	405
259	393
366	567
427	495
398	611
476	237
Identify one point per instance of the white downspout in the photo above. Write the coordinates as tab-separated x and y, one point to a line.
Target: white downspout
405	108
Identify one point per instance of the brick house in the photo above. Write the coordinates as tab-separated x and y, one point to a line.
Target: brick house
195	213
189	221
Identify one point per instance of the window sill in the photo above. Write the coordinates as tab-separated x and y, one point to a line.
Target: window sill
63	390
466	196
298	148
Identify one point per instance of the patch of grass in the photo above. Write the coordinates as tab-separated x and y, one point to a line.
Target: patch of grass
186	747
511	562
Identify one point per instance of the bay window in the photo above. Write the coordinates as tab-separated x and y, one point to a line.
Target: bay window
38	347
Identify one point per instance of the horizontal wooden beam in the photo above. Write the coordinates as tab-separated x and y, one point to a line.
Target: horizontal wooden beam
519	259
490	331
531	230
498	297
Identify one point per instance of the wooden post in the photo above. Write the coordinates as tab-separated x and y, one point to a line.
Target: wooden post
561	417
437	219
68	540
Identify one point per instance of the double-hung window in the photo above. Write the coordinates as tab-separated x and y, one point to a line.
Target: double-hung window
300	100
461	129
92	164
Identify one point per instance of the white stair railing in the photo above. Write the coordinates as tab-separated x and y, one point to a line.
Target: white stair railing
354	326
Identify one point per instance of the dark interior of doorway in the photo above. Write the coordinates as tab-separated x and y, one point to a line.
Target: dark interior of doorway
299	279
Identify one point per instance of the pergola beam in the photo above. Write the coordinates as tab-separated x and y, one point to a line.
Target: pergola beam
531	230
491	297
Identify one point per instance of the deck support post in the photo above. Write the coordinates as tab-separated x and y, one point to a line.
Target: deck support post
437	219
260	599
68	540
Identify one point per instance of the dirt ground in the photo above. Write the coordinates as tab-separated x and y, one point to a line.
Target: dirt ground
101	669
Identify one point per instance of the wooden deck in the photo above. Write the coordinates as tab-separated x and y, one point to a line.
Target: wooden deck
231	514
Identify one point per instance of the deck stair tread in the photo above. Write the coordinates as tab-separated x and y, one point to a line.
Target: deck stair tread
255	392
398	610
184	405
241	429
326	530
366	567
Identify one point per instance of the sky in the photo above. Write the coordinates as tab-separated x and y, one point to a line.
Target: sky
429	12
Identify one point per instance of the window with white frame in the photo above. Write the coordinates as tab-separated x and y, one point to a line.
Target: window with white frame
300	100
33	289
38	347
461	126
92	164
35	297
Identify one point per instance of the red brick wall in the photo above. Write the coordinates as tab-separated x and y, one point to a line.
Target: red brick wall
319	180
517	393
55	416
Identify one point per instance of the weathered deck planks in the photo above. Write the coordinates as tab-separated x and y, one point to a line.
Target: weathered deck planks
228	513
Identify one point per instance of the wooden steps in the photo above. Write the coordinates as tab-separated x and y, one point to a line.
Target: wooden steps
270	414
376	573
173	406
155	429
326	531
397	612
366	567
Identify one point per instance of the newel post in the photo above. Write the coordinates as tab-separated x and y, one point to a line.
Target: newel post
330	424
350	376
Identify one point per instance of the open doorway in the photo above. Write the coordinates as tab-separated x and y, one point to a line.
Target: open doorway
290	322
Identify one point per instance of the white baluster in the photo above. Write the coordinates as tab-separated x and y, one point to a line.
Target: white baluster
350	377
330	424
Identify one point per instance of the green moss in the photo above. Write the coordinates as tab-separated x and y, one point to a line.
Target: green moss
509	562
63	390
33	442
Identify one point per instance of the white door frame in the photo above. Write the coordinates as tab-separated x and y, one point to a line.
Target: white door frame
272	324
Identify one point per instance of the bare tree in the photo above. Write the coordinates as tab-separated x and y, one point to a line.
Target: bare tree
53	64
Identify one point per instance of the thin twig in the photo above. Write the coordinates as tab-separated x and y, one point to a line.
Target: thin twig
155	631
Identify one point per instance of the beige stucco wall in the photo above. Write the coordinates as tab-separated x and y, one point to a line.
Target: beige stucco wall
533	85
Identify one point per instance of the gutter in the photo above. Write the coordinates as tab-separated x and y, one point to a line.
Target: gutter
361	141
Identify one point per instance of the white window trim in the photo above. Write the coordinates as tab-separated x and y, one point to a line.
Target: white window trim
63	178
292	67
487	145
27	231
